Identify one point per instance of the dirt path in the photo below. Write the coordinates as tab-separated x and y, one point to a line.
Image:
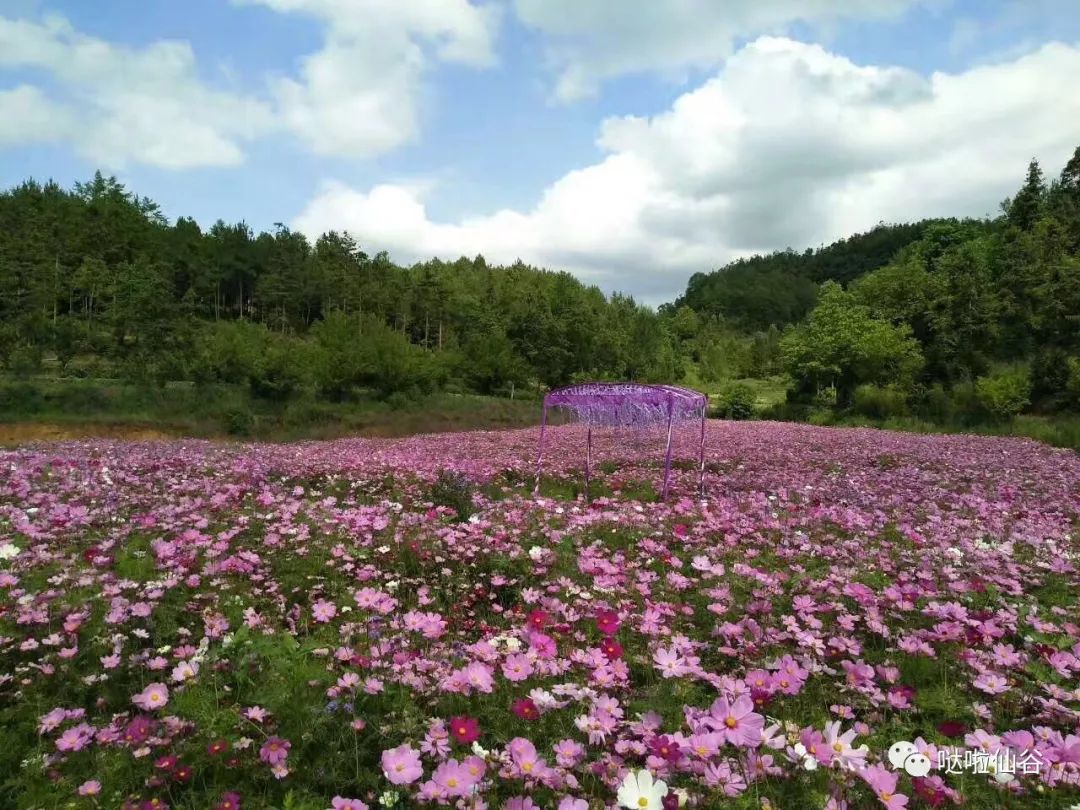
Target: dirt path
12	433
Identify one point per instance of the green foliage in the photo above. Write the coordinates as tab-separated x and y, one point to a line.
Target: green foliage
238	420
1072	383
454	490
842	344
737	401
880	402
1003	394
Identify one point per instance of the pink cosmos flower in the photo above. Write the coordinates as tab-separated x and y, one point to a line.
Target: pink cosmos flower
670	663
991	683
738	723
843	753
323	611
401	765
517	667
341	803
453	778
91	787
152	697
75	738
883	782
274	751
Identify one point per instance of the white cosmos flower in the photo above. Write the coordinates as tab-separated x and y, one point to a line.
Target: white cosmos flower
9	551
639	792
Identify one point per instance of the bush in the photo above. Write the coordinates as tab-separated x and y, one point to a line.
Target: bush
238	420
879	402
1004	394
1072	384
736	402
1049	375
21	398
24	361
454	490
932	404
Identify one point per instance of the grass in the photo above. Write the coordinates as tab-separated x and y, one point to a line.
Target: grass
1057	431
64	409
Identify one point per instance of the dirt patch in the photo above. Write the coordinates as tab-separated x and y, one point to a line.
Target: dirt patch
21	432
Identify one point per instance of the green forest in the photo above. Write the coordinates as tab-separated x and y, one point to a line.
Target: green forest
949	321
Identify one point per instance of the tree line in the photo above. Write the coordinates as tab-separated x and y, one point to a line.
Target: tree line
962	314
94	281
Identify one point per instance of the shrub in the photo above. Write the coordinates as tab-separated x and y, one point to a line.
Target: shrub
238	420
736	402
24	361
879	402
1049	375
454	490
932	404
20	398
1003	394
1072	384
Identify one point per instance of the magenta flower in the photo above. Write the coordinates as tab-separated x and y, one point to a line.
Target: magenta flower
607	622
401	765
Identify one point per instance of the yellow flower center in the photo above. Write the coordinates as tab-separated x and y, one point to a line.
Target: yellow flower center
837	747
643	802
731	722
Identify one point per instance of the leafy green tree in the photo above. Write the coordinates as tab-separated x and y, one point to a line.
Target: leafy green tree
1004	394
843	345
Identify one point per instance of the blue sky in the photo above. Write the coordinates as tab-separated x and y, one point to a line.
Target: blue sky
598	137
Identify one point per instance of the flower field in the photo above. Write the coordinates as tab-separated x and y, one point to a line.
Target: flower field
401	623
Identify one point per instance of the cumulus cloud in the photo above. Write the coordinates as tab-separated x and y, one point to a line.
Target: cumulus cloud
789	145
121	104
360	94
589	41
27	116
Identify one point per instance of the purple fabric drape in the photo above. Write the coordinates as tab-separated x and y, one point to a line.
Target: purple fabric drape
626	404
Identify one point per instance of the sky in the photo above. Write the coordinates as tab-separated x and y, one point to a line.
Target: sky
630	142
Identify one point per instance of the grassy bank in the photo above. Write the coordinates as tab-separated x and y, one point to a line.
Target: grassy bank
53	409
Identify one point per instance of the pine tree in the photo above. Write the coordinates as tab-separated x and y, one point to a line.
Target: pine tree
1026	206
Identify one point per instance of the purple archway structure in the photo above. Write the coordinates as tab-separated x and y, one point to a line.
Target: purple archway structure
627	404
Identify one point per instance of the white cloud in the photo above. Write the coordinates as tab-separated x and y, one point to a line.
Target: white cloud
120	104
590	41
27	116
360	94
789	145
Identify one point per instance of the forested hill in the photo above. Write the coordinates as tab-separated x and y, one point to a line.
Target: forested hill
96	282
780	288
